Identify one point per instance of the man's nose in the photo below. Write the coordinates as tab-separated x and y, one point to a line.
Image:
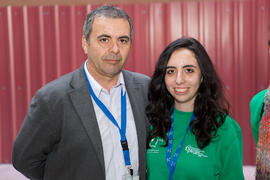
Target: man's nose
115	48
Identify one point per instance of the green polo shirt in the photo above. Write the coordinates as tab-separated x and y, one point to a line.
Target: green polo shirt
256	105
221	159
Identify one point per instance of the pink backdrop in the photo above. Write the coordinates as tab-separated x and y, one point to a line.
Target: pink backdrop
38	44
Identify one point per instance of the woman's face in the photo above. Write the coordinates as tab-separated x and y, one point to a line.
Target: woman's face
183	78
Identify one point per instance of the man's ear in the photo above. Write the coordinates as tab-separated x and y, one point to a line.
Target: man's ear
84	45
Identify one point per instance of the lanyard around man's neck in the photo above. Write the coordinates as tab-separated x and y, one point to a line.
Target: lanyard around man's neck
122	130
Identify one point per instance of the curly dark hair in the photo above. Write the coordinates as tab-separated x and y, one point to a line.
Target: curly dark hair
210	102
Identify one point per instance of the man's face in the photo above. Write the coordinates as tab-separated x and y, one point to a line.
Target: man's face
108	48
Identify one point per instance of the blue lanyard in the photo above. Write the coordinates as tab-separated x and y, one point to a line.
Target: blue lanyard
171	162
122	130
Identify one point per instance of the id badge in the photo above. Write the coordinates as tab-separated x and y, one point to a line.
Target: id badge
135	176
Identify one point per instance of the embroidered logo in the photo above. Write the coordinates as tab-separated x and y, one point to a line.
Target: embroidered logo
195	151
153	145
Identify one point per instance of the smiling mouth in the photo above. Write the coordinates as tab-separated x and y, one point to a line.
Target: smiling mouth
180	90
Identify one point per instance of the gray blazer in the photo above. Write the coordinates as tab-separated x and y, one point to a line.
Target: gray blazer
59	138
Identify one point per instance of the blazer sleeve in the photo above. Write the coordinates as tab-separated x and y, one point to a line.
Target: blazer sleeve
36	138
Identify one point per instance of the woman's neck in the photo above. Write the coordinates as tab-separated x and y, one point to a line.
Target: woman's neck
184	107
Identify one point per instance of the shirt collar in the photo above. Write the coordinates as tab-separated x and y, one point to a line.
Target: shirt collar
97	88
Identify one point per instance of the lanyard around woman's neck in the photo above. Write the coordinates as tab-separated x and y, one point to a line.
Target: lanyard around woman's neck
171	161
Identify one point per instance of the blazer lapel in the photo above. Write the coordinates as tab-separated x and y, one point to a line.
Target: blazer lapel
82	102
137	102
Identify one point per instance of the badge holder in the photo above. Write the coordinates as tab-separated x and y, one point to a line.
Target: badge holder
127	176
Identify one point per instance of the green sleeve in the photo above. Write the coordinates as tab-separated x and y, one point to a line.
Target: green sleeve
256	105
232	151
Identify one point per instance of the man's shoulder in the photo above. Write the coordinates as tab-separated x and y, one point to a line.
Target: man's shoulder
136	76
59	85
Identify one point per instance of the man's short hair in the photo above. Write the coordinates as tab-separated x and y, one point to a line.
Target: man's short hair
105	11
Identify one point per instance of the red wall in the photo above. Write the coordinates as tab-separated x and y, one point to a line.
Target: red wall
38	44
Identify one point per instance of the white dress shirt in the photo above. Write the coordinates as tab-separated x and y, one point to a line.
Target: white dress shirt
113	154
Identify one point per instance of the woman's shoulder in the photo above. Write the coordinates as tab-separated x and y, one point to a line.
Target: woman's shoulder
230	128
257	98
231	123
256	105
228	134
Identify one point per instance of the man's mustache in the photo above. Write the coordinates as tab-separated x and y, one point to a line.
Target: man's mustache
112	57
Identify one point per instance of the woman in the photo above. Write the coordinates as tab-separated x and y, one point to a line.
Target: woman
260	123
192	137
257	112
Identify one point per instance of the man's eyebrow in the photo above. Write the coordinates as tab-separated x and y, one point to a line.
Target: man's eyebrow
104	35
126	37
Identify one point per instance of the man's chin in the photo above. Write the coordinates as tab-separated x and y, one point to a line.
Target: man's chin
113	73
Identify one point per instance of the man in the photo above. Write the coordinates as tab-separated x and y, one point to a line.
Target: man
74	124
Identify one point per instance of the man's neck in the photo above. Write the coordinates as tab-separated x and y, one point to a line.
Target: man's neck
106	82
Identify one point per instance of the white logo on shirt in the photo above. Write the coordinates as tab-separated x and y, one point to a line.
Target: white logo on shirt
154	143
195	151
